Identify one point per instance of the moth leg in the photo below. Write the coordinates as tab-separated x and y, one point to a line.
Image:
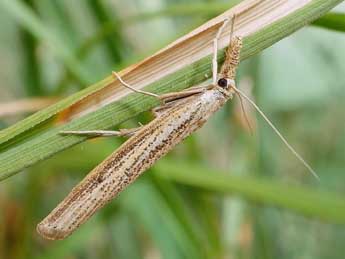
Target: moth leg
173	96
215	49
173	99
158	111
232	54
103	133
164	98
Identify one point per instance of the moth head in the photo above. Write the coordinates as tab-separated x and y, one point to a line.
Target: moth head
226	83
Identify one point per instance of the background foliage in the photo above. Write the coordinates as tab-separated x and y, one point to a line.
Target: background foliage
179	209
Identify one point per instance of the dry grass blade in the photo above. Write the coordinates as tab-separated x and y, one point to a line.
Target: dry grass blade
251	17
184	63
25	106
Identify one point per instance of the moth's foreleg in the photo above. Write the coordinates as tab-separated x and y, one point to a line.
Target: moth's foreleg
102	133
173	96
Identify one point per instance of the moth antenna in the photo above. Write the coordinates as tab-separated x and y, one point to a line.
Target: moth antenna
245	114
118	77
298	156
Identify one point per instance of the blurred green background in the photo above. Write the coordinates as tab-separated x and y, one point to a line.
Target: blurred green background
299	83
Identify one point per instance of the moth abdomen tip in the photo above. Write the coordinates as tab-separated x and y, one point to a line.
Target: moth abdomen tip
51	232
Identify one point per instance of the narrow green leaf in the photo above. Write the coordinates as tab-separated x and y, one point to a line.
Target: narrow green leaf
302	200
332	21
32	122
36	138
321	205
26	17
201	9
170	237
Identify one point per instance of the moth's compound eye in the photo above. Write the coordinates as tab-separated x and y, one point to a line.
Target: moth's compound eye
223	83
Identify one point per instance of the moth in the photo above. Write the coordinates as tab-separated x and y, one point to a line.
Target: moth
181	114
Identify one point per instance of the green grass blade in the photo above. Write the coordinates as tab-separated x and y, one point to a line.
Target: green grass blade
26	17
195	9
332	21
170	237
302	200
36	138
35	120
